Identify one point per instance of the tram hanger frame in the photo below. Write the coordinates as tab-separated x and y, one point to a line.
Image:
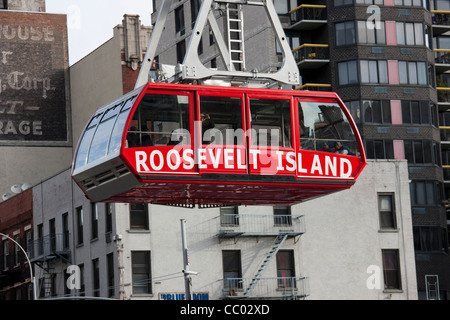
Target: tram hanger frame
192	69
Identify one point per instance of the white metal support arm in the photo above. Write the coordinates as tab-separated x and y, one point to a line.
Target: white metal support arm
193	69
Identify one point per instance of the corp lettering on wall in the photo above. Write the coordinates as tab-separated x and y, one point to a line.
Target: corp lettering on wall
33	68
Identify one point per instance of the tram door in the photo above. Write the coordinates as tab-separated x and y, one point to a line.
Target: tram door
271	135
220	133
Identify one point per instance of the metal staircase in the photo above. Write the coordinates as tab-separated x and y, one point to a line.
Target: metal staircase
279	240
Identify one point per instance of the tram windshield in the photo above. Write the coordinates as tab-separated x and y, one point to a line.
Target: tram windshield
160	120
324	127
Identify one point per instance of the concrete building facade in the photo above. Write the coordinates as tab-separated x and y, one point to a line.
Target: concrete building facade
126	251
387	60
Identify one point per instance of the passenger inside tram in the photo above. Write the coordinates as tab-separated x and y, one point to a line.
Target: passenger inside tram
324	127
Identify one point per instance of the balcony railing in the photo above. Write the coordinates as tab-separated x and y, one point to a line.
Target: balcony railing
286	288
50	245
232	225
440	17
308	16
309	56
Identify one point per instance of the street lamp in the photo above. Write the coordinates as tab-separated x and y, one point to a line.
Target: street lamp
33	280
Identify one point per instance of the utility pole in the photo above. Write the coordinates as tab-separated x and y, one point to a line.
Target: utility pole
187	273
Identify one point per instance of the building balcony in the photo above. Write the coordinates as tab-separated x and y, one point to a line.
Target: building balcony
50	247
443	94
241	225
441	21
311	56
283	288
442	60
315	87
308	17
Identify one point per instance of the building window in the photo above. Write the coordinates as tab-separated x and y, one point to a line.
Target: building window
17	251
386	208
94	221
229	216
285	269
28	239
82	285
340	3
179	20
410	3
377	111
141	272
52	233
96	277
5	246
373	71
4	4
232	271
195	7
421	151
110	274
139	216
345	33
108	218
412	72
348	72
427	238
281	6
65	229
181	51
425	193
410	34
371	36
40	235
79	217
418	112
391	269
212	40
282	216
379	149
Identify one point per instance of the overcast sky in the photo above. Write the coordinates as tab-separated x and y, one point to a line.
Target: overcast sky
90	23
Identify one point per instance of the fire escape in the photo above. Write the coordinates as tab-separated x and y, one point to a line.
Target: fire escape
45	252
278	227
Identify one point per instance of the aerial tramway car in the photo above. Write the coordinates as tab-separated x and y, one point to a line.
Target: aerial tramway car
187	145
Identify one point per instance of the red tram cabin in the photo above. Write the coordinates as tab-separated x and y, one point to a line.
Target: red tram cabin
188	145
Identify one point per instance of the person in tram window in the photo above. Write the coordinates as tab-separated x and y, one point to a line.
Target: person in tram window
207	123
146	140
327	148
132	137
340	148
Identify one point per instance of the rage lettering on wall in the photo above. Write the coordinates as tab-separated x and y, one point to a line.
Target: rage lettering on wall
33	68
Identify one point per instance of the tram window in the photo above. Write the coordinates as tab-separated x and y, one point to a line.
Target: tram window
324	127
271	122
221	119
86	141
116	135
160	120
100	141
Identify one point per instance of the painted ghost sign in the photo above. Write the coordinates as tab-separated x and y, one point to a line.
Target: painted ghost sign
33	72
